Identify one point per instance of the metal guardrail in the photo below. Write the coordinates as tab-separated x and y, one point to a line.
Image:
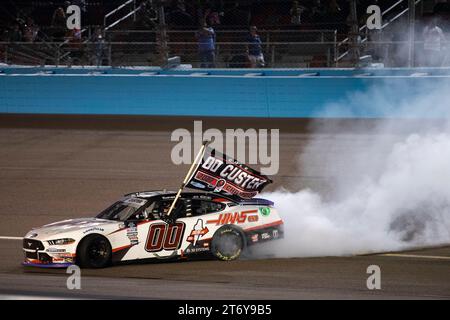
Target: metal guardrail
282	48
320	35
227	54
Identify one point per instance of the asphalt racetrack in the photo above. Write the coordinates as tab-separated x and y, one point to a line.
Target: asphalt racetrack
54	167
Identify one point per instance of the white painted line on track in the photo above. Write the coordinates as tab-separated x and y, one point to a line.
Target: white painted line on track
401	255
31	297
11	238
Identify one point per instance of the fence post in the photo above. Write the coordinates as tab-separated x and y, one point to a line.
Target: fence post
217	54
109	53
272	61
328	57
58	54
354	33
411	20
6	53
164	55
335	49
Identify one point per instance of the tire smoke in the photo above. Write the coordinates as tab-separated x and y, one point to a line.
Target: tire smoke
388	193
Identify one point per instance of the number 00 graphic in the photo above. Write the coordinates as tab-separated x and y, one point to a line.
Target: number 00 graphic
163	236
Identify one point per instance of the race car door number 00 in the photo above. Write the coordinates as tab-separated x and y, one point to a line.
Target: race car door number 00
163	236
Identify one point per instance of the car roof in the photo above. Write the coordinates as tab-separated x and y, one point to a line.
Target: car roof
154	193
169	194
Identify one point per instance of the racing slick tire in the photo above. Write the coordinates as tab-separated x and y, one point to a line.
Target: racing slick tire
227	243
94	251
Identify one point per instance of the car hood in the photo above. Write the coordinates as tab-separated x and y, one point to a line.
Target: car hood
72	225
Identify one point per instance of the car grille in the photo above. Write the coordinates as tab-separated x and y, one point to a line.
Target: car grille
32	244
42	257
31	255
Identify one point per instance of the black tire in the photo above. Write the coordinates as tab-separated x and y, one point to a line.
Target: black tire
94	251
227	243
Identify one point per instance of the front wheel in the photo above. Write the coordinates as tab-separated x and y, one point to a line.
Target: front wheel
94	251
227	244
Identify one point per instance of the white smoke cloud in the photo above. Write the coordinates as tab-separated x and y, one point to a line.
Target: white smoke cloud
391	193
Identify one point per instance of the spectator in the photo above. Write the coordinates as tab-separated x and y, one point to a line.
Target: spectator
206	46
16	33
59	18
178	16
59	24
236	16
212	15
434	44
318	11
333	11
30	30
254	49
100	47
296	13
213	12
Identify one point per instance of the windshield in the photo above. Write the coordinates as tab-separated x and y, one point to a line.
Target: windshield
122	210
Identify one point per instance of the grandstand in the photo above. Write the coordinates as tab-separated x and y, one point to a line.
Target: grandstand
308	33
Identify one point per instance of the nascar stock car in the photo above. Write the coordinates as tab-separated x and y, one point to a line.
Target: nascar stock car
221	221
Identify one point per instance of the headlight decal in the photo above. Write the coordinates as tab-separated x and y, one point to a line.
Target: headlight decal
62	241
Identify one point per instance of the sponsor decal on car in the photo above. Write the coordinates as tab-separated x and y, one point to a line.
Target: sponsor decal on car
54	250
93	229
198	185
265	211
195	238
132	233
236	217
135	202
275	233
265	236
197	232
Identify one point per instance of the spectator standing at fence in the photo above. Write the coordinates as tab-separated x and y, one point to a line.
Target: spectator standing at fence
254	49
212	16
296	13
59	18
100	47
433	44
59	24
30	30
206	46
16	34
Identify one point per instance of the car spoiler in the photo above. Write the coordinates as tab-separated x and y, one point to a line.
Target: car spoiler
256	201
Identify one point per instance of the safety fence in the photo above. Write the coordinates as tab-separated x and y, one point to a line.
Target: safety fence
227	54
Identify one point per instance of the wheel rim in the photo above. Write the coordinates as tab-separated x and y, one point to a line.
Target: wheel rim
229	244
98	251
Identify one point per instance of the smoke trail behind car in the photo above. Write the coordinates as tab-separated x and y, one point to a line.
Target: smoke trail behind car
390	192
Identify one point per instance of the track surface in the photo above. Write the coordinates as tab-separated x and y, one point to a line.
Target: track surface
53	168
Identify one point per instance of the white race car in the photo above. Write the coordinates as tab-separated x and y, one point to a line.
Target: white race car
133	228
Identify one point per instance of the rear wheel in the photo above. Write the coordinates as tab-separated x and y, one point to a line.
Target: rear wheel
94	251
227	244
